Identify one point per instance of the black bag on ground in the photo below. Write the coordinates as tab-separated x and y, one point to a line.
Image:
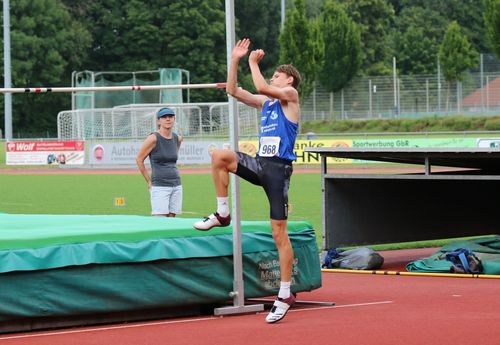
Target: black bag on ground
353	259
464	260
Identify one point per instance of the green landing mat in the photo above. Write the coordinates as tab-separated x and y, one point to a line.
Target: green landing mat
77	265
31	242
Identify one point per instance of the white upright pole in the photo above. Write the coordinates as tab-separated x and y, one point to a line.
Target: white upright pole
238	293
439	85
7	69
394	75
482	83
283	10
370	103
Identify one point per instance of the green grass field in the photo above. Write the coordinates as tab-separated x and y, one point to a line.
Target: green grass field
95	194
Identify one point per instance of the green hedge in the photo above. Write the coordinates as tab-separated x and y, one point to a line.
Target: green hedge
423	124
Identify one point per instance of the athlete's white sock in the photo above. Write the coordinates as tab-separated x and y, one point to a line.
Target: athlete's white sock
223	206
284	290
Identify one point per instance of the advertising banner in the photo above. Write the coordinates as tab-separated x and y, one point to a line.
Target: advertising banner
199	152
70	152
190	152
489	143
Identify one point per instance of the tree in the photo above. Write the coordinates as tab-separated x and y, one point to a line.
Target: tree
195	39
298	47
132	35
468	14
456	55
263	32
492	21
342	48
313	8
46	43
416	52
375	19
417	35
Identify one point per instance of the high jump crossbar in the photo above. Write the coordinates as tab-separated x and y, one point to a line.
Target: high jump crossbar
111	88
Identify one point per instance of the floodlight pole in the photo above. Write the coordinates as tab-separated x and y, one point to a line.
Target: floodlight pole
238	293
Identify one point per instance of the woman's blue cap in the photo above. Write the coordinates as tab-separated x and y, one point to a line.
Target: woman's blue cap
165	112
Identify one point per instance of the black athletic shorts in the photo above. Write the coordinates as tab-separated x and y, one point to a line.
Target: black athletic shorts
273	174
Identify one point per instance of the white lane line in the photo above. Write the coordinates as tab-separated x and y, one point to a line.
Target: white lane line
341	306
45	334
147	324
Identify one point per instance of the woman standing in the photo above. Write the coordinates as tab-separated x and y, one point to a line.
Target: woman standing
164	183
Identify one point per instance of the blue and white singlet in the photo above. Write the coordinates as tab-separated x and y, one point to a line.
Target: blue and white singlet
278	134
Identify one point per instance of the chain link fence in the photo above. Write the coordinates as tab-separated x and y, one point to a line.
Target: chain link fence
410	96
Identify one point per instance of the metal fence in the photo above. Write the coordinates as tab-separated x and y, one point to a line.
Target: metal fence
410	96
407	96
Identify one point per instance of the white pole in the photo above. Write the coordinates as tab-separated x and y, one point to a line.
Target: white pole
487	93
427	95
314	100
370	109
394	76
282	14
111	88
398	104
7	69
482	84
439	85
342	110
238	293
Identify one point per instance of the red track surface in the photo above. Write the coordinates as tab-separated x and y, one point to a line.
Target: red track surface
370	309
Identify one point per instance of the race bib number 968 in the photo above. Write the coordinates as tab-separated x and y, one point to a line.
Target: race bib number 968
269	146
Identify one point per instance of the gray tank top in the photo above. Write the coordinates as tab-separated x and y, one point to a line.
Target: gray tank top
163	159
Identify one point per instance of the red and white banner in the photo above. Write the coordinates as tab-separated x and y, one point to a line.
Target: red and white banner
55	152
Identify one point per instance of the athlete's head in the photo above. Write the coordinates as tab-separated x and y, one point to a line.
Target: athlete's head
290	71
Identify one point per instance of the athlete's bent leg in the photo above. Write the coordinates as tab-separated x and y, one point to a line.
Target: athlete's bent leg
223	162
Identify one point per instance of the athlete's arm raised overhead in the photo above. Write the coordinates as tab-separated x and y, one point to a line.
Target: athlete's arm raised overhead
280	86
242	95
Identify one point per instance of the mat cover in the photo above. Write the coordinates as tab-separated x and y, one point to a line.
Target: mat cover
67	265
32	242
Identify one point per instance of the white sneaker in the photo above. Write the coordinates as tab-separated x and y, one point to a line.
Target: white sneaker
280	308
212	221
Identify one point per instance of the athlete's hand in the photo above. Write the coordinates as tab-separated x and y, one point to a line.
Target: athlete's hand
241	48
256	56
